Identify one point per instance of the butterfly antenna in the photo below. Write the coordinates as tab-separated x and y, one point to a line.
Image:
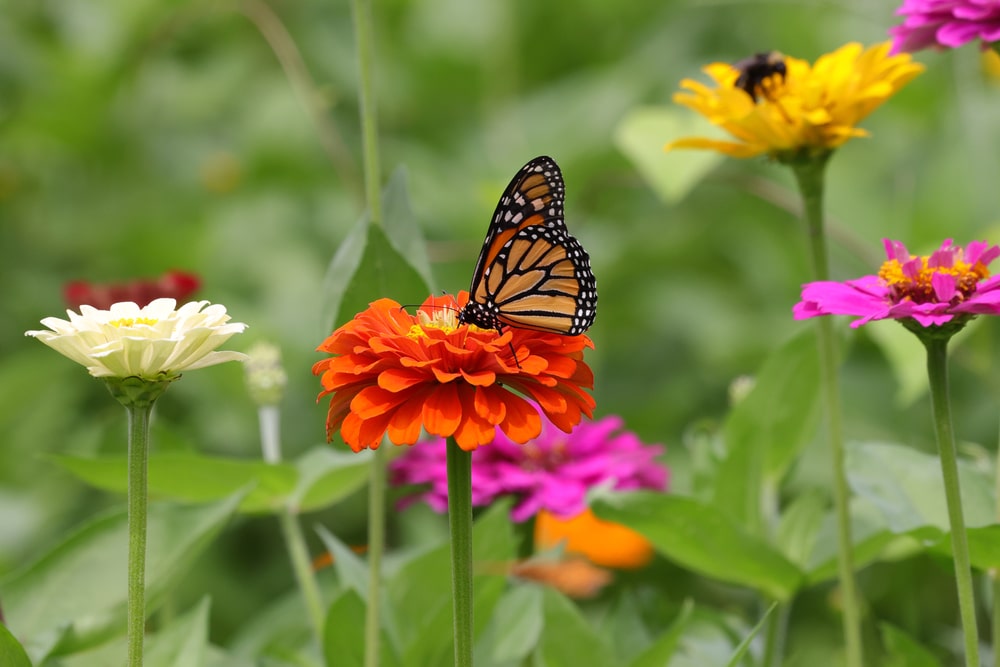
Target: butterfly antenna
512	351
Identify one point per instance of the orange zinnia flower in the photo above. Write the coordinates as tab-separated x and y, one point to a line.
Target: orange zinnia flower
602	542
394	373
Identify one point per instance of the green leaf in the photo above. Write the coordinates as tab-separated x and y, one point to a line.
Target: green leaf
704	540
624	624
514	628
984	546
907	487
375	262
902	651
766	430
279	627
662	650
642	134
344	632
193	478
402	228
78	590
799	527
12	654
568	640
868	531
351	570
419	602
327	476
183	643
741	649
419	593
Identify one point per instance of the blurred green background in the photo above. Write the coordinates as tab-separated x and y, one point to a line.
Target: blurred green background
222	138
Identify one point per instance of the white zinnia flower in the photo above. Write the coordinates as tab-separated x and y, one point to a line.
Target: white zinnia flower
149	342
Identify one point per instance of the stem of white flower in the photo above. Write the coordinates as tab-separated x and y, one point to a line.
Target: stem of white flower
138	451
137	395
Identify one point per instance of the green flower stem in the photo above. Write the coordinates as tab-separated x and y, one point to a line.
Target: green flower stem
138	464
937	375
295	541
137	395
809	174
460	524
376	545
995	575
364	37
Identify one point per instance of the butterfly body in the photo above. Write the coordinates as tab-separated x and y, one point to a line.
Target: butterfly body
531	273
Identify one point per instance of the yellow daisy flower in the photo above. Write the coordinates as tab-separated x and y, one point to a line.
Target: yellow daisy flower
805	111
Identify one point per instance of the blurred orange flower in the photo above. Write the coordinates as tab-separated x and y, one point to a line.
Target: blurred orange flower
572	576
602	542
395	373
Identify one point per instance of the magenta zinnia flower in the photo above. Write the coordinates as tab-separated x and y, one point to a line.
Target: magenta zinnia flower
945	24
552	472
952	283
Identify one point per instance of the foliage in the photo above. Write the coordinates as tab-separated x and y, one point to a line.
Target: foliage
222	139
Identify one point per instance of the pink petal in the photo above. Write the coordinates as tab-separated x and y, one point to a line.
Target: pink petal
944	286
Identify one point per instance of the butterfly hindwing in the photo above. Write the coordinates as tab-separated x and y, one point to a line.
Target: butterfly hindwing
531	272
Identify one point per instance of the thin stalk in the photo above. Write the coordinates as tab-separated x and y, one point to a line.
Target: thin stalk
809	175
376	545
364	35
937	375
138	464
777	625
777	629
460	526
995	575
365	41
295	541
305	88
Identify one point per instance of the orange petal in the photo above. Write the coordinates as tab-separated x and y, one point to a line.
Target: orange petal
373	401
398	379
489	403
523	422
444	376
404	427
482	378
442	410
474	431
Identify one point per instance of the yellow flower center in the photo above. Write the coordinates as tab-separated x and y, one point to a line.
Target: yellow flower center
133	321
917	285
445	319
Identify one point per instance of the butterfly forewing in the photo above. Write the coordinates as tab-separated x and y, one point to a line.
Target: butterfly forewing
531	273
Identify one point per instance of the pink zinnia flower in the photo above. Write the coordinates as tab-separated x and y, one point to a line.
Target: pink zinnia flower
951	283
552	472
945	24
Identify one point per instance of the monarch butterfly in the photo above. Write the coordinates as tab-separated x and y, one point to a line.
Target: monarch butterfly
531	273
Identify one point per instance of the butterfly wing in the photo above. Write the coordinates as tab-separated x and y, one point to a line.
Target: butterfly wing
531	272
